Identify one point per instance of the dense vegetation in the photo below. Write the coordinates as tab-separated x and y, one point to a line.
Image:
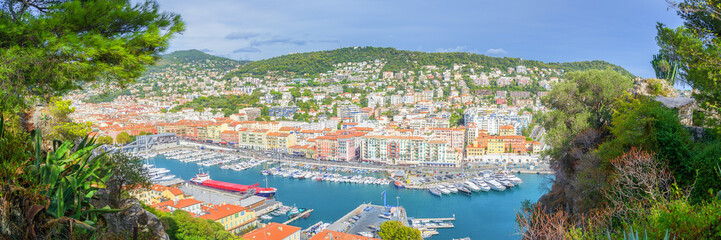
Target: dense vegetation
228	104
394	230
695	50
397	60
60	188
182	226
623	161
191	56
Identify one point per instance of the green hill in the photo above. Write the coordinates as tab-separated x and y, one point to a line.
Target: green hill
194	56
397	60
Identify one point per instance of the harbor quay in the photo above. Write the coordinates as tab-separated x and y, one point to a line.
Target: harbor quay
365	220
419	177
518	162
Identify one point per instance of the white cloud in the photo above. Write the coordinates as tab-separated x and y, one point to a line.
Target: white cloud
496	51
457	49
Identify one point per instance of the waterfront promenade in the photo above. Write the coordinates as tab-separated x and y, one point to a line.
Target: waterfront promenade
286	158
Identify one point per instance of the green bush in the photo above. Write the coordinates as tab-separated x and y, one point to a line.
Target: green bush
683	220
181	225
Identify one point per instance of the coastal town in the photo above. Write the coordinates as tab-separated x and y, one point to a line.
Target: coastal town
430	117
442	129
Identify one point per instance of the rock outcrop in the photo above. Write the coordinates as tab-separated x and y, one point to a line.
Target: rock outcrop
653	87
133	221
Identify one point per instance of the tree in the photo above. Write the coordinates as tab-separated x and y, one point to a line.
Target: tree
181	225
307	93
639	181
105	140
584	100
295	92
128	173
55	121
264	111
123	138
394	230
696	47
163	110
51	47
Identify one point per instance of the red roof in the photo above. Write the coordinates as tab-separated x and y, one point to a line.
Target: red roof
175	191
333	235
272	231
222	211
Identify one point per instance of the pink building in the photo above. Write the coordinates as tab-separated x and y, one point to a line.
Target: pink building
339	146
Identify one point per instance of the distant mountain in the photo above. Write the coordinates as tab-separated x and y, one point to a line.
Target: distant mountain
194	56
397	60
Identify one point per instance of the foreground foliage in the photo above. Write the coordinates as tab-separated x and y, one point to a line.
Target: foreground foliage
394	230
181	225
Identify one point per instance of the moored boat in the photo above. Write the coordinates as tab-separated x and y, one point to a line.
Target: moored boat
203	179
435	191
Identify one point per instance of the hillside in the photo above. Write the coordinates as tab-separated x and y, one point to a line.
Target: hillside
194	56
398	60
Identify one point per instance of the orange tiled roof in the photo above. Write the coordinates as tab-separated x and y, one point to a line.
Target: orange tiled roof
333	235
175	191
222	211
272	231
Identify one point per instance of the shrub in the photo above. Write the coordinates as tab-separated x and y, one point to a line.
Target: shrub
684	220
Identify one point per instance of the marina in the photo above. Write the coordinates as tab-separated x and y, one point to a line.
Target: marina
495	209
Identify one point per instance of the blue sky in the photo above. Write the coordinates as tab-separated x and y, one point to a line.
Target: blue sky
618	31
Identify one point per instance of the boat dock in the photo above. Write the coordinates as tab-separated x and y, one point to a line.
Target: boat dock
448	225
367	218
300	215
435	219
432	223
312	226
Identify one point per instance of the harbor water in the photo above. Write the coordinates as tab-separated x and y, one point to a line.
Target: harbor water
484	215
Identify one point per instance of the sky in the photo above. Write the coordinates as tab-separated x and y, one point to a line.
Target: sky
621	32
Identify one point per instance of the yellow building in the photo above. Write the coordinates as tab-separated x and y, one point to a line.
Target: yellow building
233	218
279	141
143	195
214	129
252	138
173	193
496	145
506	130
156	193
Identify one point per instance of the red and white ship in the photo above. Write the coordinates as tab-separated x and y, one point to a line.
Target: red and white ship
203	179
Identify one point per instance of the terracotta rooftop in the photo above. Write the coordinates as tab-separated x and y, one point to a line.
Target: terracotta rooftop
333	235
222	211
272	231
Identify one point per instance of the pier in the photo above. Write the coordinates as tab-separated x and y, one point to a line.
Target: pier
300	215
435	219
367	218
432	223
312	226
449	225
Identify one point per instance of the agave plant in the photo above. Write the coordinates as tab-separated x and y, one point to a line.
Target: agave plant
69	180
633	235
